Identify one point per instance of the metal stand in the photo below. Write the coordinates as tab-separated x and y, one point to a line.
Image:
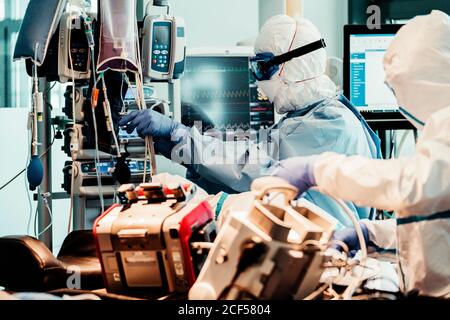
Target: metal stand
45	140
85	211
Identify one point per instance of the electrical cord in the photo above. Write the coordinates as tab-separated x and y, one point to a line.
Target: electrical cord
50	89
13	178
25	169
33	144
44	154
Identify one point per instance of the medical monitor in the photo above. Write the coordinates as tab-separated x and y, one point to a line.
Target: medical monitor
219	90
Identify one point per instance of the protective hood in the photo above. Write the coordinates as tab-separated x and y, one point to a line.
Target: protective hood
417	66
302	80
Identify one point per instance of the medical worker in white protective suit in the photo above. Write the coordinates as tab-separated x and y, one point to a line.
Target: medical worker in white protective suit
417	68
316	119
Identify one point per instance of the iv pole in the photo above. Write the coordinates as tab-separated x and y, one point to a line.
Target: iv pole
44	134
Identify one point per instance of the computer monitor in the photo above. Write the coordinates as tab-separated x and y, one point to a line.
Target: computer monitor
364	76
219	90
363	62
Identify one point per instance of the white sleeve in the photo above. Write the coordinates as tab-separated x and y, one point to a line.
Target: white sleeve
411	186
383	233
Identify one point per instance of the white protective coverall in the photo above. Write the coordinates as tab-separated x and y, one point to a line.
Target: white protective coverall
417	68
314	121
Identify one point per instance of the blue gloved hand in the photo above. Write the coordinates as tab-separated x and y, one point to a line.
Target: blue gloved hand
298	171
350	238
151	123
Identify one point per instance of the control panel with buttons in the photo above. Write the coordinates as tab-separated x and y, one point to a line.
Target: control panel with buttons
161	45
73	54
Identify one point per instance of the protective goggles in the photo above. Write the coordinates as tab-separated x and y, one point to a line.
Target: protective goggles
265	65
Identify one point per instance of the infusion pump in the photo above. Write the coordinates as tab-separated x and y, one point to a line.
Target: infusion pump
73	49
163	47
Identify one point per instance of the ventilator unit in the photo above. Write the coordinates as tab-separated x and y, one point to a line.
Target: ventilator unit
272	249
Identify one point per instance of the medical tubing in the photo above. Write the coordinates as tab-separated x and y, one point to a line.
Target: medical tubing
144	178
45	201
108	115
34	150
349	291
97	161
73	116
94	118
138	102
398	149
150	149
355	223
72	182
30	206
140	81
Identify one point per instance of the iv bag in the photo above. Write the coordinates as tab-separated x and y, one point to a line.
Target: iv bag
39	24
118	36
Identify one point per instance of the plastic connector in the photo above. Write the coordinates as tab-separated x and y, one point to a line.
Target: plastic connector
89	31
95	97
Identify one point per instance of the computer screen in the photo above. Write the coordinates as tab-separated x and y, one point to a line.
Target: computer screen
368	90
220	91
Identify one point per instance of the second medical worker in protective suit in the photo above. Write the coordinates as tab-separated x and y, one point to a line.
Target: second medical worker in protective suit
417	68
315	119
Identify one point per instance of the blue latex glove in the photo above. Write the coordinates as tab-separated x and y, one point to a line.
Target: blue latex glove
152	123
350	238
298	171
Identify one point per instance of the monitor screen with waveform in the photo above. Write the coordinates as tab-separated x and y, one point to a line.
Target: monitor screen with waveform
222	94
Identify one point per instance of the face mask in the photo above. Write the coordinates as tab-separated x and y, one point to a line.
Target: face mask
270	88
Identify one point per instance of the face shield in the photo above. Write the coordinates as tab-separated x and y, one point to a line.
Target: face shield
265	65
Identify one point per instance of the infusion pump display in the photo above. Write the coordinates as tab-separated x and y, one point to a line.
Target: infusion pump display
161	46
